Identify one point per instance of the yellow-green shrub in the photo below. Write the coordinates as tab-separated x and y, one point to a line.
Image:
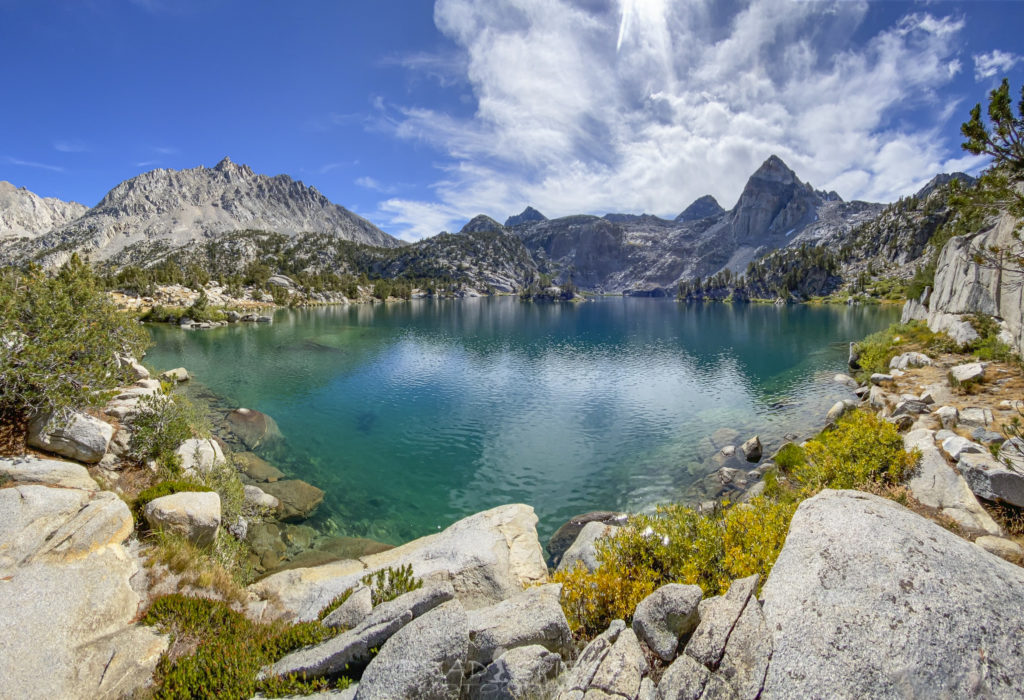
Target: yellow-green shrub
677	544
860	448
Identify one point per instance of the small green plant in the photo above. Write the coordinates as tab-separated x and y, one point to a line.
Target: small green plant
387	584
861	448
228	651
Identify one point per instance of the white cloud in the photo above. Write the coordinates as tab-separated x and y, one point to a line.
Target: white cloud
33	164
644	105
372	184
993	63
72	146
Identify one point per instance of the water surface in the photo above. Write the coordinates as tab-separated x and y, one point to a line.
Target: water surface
413	415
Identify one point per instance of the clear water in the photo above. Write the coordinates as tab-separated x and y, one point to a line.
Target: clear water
413	415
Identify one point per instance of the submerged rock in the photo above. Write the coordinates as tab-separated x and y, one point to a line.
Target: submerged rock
253	428
297	499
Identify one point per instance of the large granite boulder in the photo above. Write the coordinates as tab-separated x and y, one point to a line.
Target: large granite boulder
31	470
965	285
79	436
487	557
424	659
868	599
355	647
937	485
523	673
68	605
992	479
253	428
193	514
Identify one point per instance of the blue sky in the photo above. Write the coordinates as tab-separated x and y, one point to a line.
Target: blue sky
419	115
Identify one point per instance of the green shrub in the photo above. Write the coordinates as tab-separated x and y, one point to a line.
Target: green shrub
335	603
789	456
861	448
58	338
879	348
229	651
161	425
675	545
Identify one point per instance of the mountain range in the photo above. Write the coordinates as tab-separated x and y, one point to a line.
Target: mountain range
233	215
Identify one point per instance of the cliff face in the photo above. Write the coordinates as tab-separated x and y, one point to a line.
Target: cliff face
24	214
966	284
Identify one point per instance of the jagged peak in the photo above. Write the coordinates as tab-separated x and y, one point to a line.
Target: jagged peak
701	208
481	223
224	164
776	170
528	215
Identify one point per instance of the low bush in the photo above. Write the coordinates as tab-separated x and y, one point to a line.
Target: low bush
879	348
678	544
58	339
161	425
228	651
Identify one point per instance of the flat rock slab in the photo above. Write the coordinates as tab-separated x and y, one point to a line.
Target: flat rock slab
970	372
352	648
976	417
937	485
257	468
296	499
868	599
487	557
66	629
48	472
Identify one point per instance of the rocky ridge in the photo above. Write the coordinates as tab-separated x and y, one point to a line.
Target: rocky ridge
176	207
25	215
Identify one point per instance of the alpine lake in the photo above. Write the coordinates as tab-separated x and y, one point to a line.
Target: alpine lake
413	415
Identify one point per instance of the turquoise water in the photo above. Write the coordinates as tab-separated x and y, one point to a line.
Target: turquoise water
413	415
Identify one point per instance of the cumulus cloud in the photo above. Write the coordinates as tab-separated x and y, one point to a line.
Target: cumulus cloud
645	105
988	65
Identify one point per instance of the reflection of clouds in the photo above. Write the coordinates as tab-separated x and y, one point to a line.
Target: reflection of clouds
413	415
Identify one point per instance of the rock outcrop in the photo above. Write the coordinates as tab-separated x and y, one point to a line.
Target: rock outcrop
486	557
67	628
870	600
24	214
965	284
175	207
